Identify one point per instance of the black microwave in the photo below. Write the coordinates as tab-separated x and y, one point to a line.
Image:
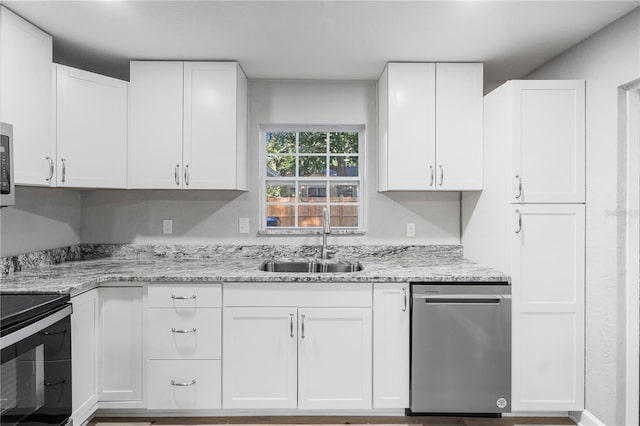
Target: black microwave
7	185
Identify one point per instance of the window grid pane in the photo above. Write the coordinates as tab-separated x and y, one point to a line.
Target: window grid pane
328	163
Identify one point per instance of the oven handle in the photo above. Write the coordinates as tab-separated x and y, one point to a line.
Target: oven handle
34	328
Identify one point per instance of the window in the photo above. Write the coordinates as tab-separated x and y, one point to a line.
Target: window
307	170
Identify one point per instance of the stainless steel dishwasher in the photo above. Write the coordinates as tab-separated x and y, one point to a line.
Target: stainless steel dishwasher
461	348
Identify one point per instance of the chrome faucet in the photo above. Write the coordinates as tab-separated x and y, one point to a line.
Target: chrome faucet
326	230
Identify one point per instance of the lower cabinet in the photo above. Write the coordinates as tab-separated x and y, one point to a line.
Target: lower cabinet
391	328
334	358
120	344
84	353
297	356
260	352
183	346
181	384
548	263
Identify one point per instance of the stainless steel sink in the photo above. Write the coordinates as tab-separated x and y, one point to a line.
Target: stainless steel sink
310	267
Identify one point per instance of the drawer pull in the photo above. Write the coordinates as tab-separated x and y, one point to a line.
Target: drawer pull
191	383
174	297
175	330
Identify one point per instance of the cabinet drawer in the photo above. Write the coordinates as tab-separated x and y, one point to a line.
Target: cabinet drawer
205	393
184	333
184	296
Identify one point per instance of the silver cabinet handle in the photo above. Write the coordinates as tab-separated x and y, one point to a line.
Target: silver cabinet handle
176	174
50	160
174	297
441	175
290	325
302	334
519	222
174	330
432	176
519	187
404	300
191	383
64	170
186	175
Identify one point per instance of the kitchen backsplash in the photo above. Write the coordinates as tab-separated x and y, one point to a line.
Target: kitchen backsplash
35	260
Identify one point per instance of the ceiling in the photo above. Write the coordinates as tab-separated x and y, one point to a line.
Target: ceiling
318	39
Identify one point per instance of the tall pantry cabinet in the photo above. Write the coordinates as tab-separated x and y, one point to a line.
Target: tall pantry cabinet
529	221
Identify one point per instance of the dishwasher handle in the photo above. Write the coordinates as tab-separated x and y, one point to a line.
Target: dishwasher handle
448	299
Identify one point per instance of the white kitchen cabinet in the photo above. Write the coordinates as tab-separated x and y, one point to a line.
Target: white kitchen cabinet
260	357
334	358
84	352
548	307
391	329
297	345
183	385
27	88
459	89
155	125
215	126
407	127
202	143
91	129
430	127
183	341
120	348
549	141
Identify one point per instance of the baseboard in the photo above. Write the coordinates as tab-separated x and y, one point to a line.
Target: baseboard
127	412
585	418
537	414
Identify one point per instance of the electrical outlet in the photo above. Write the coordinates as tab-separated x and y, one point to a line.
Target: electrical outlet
411	229
167	226
243	225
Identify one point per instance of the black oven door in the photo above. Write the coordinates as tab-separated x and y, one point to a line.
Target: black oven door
36	371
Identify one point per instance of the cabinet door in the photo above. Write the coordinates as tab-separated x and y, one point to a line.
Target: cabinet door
26	102
210	124
411	126
334	361
155	125
260	358
84	352
91	129
120	362
459	91
548	307
391	345
549	141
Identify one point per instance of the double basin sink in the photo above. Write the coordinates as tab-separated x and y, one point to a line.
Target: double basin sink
309	267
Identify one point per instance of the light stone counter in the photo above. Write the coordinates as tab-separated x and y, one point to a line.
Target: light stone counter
97	264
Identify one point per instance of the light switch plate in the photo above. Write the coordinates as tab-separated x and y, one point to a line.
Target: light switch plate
411	229
243	225
167	226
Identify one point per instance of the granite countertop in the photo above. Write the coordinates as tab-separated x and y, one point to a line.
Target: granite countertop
105	263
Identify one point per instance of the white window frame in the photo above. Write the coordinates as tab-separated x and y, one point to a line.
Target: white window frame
360	179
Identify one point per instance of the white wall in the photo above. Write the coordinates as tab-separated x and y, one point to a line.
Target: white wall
42	218
212	216
606	60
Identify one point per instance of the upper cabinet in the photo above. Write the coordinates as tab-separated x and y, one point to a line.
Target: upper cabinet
91	129
26	85
548	133
430	127
190	118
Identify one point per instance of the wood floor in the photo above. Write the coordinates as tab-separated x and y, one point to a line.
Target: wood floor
332	420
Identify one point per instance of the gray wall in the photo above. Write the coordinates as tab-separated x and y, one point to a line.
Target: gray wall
42	218
212	216
606	60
